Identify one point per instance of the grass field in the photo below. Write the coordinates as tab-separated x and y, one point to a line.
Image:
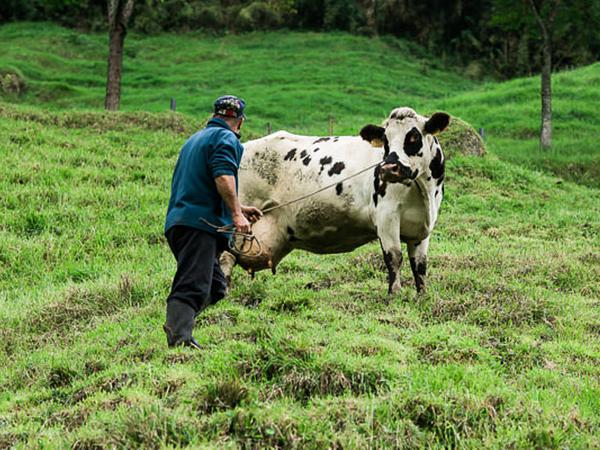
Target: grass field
501	352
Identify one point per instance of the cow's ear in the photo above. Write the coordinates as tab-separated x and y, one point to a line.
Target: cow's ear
437	123
373	134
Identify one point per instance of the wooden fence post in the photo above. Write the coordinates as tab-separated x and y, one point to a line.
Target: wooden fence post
268	127
173	105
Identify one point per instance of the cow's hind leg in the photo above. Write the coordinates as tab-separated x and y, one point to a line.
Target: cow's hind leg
227	262
417	253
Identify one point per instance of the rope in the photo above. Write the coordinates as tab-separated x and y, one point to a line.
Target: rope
272	208
247	242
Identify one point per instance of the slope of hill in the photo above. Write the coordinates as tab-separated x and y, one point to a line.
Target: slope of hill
510	115
500	352
297	81
293	80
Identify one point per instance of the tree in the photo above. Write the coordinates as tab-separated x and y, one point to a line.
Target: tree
119	12
547	8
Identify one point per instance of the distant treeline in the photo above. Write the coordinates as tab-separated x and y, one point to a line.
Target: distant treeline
499	37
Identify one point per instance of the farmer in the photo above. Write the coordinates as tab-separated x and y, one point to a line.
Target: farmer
204	196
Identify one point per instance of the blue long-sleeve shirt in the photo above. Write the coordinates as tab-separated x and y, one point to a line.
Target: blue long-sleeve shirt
211	152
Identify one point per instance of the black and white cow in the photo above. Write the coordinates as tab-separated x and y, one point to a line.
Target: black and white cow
395	202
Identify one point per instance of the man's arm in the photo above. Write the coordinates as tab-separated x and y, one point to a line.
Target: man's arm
226	187
241	215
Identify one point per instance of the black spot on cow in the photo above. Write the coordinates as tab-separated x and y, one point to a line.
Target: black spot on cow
413	265
392	158
436	140
316	150
440	180
302	153
436	166
428	178
376	183
323	139
282	137
290	155
339	188
306	160
326	160
417	244
291	234
336	169
389	263
419	270
420	154
413	141
381	190
337	138
386	146
436	192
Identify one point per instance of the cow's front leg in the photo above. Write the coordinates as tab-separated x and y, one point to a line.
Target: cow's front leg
417	253
389	238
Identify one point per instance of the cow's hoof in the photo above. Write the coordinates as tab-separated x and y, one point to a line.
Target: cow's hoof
395	289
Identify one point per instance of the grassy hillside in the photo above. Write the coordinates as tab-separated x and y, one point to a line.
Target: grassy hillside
509	114
296	81
502	350
293	80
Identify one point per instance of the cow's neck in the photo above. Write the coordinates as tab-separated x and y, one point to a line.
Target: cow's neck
427	191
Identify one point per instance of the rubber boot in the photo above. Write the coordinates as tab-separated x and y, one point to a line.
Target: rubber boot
179	325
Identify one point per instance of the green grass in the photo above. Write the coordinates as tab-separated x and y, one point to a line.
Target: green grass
297	81
502	351
280	74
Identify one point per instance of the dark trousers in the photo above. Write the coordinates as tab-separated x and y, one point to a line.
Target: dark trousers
198	282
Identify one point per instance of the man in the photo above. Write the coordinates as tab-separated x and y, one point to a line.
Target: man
204	195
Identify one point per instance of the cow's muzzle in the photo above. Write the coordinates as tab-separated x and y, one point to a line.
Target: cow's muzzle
397	173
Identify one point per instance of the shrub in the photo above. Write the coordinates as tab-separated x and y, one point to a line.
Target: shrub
258	15
12	81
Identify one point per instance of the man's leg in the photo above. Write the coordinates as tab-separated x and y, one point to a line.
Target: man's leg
195	251
218	288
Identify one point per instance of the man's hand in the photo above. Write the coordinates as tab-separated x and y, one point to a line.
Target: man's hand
241	223
251	213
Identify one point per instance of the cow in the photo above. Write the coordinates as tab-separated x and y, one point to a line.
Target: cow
396	201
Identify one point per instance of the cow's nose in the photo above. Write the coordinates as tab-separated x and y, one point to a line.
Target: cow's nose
404	171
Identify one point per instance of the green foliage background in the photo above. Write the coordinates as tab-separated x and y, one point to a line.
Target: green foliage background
488	38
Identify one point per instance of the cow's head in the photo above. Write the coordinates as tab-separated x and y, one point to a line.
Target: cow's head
408	141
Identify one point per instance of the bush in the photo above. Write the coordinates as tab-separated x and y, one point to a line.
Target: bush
256	16
12	82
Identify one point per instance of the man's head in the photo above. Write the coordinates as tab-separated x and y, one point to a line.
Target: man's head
231	109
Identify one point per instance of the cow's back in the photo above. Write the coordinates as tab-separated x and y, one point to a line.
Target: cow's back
283	167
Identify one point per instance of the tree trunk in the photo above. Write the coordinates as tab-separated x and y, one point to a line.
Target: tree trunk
119	12
372	16
546	91
115	63
546	134
370	7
